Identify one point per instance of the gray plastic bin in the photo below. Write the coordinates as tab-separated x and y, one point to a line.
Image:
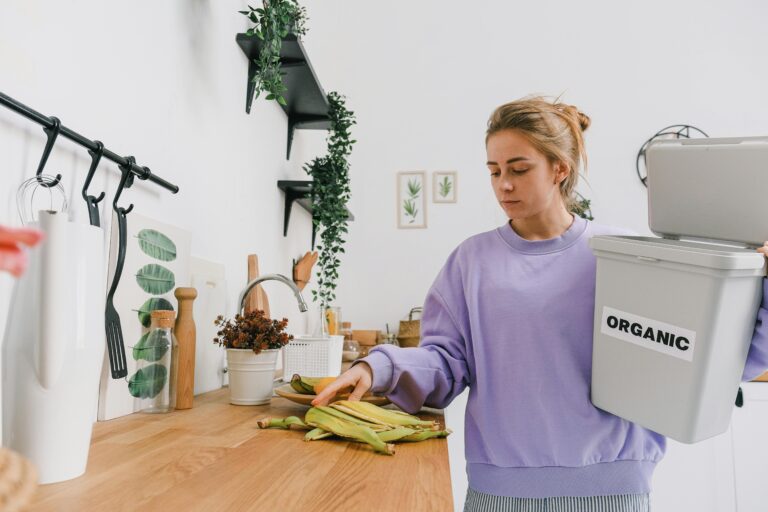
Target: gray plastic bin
674	318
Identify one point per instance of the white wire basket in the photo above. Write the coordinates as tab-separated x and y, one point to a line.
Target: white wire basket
311	356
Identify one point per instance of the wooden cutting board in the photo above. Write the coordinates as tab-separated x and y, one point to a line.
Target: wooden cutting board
257	299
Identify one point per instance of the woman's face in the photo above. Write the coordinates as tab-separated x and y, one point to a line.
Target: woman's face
524	181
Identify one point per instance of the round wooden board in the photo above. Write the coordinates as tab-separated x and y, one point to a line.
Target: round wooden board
286	391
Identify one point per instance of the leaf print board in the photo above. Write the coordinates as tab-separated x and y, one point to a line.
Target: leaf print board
157	261
444	187
411	199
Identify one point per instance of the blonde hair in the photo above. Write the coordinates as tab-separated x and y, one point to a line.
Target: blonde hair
553	128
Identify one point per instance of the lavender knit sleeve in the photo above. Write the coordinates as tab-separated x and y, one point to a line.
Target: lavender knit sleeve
433	373
757	359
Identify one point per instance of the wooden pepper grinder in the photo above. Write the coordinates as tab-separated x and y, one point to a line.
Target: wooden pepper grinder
185	334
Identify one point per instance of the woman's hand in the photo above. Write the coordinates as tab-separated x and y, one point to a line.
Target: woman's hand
359	377
12	258
763	249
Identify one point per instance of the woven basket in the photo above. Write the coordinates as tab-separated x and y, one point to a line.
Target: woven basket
409	333
18	481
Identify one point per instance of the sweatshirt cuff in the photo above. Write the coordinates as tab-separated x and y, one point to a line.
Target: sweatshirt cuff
381	366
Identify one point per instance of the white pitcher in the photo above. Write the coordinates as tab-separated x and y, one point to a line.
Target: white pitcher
54	348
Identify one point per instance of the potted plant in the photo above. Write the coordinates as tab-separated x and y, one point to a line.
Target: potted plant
330	195
272	24
252	341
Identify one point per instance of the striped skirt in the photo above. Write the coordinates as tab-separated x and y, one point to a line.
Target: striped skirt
481	502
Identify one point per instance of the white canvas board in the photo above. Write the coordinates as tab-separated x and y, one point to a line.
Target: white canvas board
137	285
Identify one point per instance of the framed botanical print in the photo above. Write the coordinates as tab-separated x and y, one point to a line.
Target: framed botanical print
411	200
444	187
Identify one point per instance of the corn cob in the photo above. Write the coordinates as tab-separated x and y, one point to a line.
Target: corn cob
283	423
321	419
317	433
375	414
422	435
376	427
396	434
304	385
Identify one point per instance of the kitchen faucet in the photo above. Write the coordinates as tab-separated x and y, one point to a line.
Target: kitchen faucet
276	277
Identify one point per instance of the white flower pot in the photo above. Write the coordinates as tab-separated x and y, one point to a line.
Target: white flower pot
251	376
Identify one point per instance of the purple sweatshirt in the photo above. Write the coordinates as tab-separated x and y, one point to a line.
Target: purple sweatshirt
512	319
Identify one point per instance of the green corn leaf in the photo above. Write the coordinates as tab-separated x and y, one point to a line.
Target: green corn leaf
157	245
148	382
155	279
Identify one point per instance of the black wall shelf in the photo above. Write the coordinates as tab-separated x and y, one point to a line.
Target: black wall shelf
307	106
299	191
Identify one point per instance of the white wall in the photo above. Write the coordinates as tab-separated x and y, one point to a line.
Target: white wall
165	81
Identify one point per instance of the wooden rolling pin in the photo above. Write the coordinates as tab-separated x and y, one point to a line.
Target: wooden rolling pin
186	336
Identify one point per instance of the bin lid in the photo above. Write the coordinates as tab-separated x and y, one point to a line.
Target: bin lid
702	254
709	189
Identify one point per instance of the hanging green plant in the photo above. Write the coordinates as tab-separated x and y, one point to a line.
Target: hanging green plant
330	195
272	23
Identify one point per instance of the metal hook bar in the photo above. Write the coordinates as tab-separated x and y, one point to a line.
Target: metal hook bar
126	180
52	133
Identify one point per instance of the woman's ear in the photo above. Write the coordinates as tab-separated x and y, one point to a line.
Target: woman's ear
561	171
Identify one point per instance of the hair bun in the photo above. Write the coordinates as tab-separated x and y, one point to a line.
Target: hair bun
584	120
576	114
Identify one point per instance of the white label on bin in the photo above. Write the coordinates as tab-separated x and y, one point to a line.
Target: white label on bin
648	333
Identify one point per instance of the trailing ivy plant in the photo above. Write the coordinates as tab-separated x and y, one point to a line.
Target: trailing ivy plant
330	195
272	23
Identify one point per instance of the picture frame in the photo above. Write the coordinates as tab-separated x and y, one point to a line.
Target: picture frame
444	187
411	200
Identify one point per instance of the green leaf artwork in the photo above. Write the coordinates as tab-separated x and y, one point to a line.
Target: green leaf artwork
445	187
414	187
153	304
152	346
409	205
148	382
155	279
157	245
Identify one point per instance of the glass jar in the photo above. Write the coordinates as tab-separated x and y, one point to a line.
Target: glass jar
350	351
155	354
333	320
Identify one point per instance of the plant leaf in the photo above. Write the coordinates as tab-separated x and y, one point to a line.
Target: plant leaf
157	245
148	381
155	279
152	346
153	304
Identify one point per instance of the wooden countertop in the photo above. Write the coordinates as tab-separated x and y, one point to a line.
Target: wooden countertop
214	457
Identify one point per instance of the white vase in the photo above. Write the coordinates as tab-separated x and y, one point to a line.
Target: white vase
53	350
251	376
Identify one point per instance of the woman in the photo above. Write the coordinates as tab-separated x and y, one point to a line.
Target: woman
511	316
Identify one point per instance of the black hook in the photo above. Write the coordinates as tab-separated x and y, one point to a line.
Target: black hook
52	132
126	180
91	201
95	158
